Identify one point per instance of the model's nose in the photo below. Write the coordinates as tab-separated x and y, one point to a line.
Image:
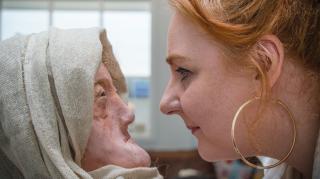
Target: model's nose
170	103
128	117
124	111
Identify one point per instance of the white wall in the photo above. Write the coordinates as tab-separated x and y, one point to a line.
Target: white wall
168	132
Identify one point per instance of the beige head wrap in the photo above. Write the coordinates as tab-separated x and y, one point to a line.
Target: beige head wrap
46	100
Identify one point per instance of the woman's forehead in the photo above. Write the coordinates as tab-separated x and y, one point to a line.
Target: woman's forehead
102	73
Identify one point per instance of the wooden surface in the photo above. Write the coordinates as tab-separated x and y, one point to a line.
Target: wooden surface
170	163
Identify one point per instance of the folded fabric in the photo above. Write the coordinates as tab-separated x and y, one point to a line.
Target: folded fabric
46	100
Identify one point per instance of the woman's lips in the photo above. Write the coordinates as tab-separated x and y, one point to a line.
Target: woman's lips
193	129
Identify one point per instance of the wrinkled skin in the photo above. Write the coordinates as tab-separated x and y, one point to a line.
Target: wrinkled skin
109	140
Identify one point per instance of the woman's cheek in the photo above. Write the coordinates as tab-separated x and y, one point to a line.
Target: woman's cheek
100	108
190	102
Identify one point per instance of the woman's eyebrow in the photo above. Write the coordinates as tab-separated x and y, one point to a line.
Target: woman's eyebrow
106	83
176	57
102	82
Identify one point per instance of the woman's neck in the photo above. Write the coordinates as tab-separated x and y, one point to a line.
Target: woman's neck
300	91
303	153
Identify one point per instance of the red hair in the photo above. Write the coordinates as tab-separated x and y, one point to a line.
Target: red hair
238	25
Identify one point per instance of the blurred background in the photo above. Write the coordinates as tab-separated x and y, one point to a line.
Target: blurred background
137	30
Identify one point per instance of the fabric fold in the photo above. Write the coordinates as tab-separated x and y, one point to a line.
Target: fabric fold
46	103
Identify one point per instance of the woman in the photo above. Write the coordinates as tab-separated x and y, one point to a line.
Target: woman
61	113
245	80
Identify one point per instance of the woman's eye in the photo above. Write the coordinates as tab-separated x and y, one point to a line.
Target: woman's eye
184	73
103	93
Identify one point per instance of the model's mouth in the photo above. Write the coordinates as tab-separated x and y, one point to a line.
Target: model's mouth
193	129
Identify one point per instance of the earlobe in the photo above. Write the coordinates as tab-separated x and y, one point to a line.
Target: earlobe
271	52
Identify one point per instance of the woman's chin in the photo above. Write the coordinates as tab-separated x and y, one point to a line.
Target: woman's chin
139	156
207	153
214	156
145	160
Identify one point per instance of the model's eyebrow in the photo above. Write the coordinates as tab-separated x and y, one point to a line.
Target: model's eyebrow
176	57
103	82
106	84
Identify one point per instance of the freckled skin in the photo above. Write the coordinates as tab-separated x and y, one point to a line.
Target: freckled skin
109	140
206	90
209	96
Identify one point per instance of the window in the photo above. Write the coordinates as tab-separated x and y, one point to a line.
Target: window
130	35
75	14
17	20
131	30
75	19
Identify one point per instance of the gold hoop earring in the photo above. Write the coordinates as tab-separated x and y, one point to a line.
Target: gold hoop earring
234	141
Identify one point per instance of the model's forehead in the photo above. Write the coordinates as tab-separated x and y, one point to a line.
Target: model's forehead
102	73
183	33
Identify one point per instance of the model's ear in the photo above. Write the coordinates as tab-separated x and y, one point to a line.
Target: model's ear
270	57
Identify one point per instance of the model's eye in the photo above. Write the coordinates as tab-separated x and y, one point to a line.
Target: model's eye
184	73
102	93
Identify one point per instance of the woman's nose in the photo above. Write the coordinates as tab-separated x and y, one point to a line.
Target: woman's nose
127	114
129	117
170	103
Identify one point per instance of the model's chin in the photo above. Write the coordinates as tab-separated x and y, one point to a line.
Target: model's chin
208	152
204	155
145	159
141	157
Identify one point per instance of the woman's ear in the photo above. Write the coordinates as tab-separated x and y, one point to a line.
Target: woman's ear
271	55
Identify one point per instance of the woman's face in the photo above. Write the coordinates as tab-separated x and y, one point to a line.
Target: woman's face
203	91
109	140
